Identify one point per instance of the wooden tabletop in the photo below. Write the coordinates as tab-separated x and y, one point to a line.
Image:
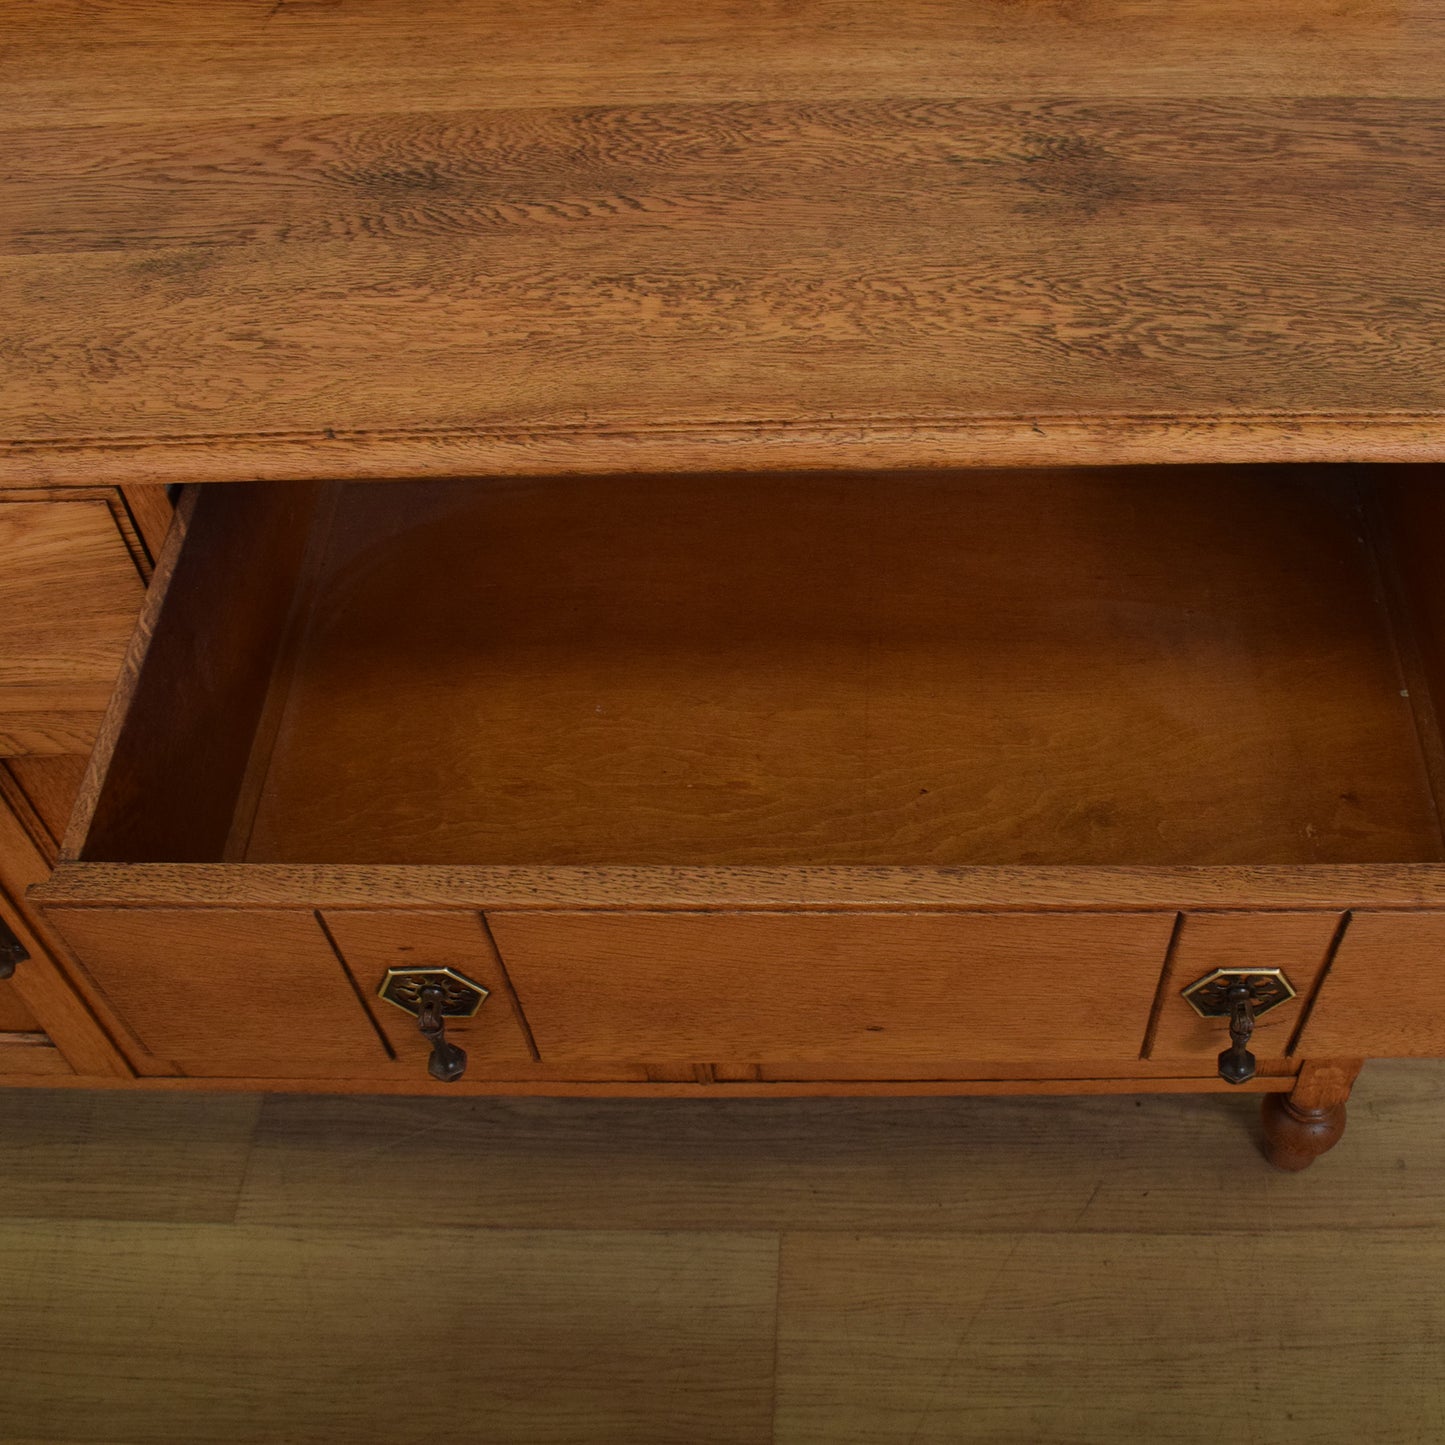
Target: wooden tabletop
285	238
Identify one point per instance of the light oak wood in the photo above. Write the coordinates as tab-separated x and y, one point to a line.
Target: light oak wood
15	1014
218	992
1380	999
432	56
41	791
151	511
45	986
835	988
1298	943
27	1053
448	239
985	889
69	594
496	1039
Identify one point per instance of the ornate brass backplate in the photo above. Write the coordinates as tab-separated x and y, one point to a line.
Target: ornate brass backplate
1268	987
461	997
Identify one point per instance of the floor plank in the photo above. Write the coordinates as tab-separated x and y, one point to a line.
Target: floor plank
1050	1271
1150	1164
69	1154
141	1334
1097	1339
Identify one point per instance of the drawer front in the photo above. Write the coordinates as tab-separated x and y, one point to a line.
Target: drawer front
70	590
228	993
1298	944
850	988
1383	994
371	943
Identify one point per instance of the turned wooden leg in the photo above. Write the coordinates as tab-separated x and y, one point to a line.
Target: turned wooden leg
1301	1125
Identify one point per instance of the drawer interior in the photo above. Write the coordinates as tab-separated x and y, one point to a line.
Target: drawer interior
1148	665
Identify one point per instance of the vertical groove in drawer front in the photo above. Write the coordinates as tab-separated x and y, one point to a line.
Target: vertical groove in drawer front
370	942
1297	943
846	987
228	992
1382	996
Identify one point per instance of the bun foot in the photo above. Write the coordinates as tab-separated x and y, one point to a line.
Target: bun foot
1295	1137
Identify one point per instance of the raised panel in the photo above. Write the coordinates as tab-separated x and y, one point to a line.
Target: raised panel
846	987
228	992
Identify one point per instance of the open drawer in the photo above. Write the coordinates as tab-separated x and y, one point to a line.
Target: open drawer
853	772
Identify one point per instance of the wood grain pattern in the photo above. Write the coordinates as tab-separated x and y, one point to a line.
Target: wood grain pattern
473	239
893	1213
841	988
82	1154
1380	999
42	789
44	985
234	564
1035	1337
15	1014
1158	1164
432	55
522	1335
28	1053
1298	943
151	511
221	992
1310	1120
69	594
1065	667
987	889
372	942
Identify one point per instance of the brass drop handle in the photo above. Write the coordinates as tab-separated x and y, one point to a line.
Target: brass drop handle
432	996
12	951
1236	1063
1241	995
448	1061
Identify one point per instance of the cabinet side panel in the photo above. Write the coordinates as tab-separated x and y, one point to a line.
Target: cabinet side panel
224	992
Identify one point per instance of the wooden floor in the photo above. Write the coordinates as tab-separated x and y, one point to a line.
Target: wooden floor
197	1269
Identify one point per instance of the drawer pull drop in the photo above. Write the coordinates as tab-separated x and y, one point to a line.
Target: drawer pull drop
1241	995
12	951
432	996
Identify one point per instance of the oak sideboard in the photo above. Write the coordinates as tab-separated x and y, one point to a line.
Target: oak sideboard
719	550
